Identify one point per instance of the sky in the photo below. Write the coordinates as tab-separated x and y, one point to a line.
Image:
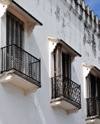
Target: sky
94	5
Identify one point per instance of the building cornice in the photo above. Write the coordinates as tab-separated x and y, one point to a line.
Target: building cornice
84	14
3	6
5	2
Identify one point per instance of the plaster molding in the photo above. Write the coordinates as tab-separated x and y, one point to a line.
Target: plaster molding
86	70
30	27
72	111
3	6
93	121
90	68
6	76
5	2
31	90
6	79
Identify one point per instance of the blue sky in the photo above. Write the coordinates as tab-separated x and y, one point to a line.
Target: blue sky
94	5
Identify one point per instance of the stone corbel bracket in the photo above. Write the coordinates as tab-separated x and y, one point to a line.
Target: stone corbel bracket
3	6
87	69
6	77
30	27
90	68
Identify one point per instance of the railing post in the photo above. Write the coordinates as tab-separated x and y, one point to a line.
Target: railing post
62	85
40	69
52	89
97	107
2	63
4	52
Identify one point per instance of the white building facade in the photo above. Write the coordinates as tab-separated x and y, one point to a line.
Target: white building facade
50	61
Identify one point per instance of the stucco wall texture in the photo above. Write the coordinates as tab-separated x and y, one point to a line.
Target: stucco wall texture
59	22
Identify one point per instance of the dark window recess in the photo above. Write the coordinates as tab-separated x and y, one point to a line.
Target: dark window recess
93	94
66	65
62	63
91	83
98	87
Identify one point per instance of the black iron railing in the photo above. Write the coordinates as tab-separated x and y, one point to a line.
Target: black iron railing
93	106
22	62
62	86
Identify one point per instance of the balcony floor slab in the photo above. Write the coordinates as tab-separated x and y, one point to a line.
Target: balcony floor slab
13	78
70	108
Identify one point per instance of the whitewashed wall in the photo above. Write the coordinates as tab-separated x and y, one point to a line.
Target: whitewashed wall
58	22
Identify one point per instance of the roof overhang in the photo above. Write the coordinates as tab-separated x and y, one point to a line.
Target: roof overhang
24	13
92	69
19	12
19	9
66	48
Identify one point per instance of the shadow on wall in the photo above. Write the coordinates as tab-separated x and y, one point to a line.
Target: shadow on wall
41	97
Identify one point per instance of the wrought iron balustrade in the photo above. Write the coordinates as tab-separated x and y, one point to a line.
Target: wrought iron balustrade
93	106
22	62
62	86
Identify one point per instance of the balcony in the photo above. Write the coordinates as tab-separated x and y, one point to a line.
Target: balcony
93	110
65	94
20	68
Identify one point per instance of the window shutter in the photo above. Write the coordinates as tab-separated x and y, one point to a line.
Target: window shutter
14	30
58	69
7	31
68	66
16	33
21	34
91	86
98	87
58	59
